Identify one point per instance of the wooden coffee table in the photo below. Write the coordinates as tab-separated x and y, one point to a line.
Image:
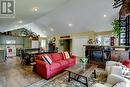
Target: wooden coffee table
82	72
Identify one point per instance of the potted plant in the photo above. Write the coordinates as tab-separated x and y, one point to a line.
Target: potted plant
116	31
84	62
116	27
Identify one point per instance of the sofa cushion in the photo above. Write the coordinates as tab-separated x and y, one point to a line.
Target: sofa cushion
63	62
61	56
71	60
109	65
55	66
117	70
39	57
56	57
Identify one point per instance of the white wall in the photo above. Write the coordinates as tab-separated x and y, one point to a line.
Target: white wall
77	45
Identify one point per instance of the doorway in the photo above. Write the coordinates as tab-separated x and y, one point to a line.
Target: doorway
66	45
78	42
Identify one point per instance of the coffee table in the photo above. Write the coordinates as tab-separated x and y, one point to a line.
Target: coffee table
84	72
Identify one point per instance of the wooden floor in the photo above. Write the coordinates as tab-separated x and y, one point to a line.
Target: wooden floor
13	74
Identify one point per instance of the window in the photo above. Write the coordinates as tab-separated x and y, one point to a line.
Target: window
103	40
99	40
106	40
43	44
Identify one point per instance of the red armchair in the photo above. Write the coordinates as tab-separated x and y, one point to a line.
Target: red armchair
58	65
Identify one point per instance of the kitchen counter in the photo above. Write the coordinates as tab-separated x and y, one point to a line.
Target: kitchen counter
2	55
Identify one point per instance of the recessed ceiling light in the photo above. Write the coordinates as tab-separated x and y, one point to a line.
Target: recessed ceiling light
52	29
105	15
70	25
20	21
35	9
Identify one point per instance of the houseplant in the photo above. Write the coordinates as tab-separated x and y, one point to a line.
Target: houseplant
83	62
116	28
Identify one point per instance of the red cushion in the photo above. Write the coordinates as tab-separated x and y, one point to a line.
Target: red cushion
126	63
71	60
56	57
39	57
55	66
63	62
61	55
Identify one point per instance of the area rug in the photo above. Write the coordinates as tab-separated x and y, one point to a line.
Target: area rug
61	80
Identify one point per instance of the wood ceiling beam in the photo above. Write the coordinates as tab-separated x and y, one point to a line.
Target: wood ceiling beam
125	9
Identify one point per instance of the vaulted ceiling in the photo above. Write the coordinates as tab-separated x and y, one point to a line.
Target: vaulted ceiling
61	16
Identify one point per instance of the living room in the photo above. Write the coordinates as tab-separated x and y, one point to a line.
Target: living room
64	43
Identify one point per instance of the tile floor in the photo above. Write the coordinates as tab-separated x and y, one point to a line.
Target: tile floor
13	74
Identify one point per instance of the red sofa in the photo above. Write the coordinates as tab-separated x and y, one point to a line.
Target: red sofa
58	65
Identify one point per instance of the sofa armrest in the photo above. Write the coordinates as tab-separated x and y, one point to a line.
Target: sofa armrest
72	56
42	64
113	79
43	68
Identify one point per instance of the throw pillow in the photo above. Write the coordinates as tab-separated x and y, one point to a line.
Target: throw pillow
47	59
121	84
66	55
63	56
126	63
